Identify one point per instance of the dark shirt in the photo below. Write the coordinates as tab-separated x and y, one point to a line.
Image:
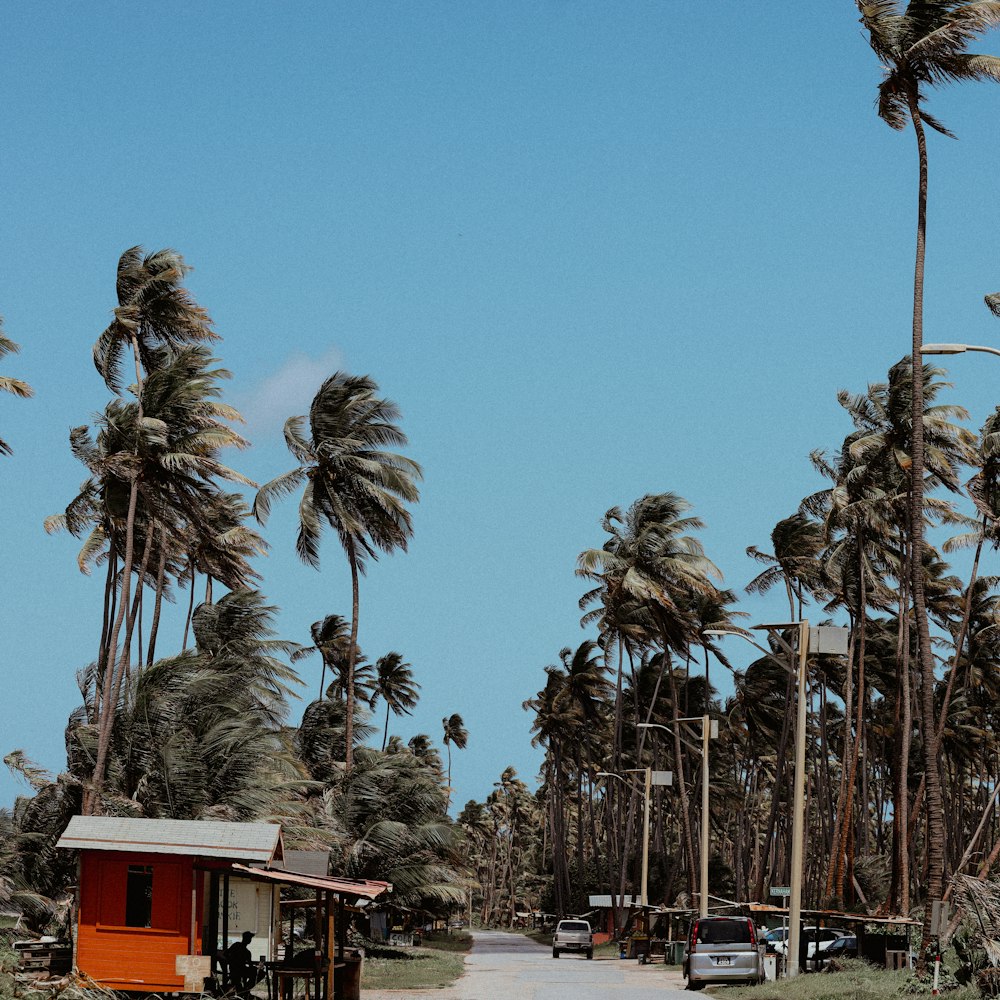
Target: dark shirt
239	958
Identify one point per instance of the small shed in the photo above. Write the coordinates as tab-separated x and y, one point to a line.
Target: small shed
603	921
146	891
159	901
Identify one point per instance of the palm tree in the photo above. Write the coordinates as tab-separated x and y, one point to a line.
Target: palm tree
11	385
349	482
388	823
454	732
364	683
395	685
330	637
156	317
920	45
155	311
170	467
649	558
797	542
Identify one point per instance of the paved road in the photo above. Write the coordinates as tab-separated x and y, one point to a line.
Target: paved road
512	967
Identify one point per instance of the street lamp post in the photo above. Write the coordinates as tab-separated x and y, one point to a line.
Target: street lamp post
650	777
798	795
706	735
828	639
645	771
956	349
798	803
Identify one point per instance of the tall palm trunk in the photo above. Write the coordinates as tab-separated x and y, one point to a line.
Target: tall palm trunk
161	570
447	801
769	865
681	785
962	631
91	801
352	557
92	798
935	818
190	610
900	891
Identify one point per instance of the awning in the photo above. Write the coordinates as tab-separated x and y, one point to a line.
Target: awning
343	886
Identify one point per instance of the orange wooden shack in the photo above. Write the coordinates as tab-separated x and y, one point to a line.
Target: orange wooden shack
159	901
148	895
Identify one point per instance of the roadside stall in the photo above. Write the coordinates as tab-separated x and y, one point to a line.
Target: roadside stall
170	905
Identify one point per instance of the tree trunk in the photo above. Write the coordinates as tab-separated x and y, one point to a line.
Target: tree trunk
689	850
190	610
161	569
935	819
92	798
962	632
352	557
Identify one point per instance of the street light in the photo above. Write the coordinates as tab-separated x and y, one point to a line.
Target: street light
824	639
956	349
709	730
798	799
650	777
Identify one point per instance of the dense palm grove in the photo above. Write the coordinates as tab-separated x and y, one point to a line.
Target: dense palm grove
203	731
656	599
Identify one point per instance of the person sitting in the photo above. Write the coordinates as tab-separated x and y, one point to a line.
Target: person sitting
240	962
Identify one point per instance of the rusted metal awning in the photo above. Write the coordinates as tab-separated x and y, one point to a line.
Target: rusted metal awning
343	886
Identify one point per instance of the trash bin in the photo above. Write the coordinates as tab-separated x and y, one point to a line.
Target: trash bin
674	953
770	968
347	977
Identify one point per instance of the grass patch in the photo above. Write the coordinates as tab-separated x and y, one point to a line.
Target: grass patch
413	969
439	941
540	937
855	981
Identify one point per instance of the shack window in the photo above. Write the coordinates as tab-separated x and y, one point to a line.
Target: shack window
139	896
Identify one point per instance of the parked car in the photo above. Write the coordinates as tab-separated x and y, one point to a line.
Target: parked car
814	938
773	938
842	947
722	950
573	935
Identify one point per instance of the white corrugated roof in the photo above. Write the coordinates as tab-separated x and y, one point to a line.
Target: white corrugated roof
605	901
208	839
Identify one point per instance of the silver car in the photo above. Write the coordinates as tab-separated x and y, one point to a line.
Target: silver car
722	950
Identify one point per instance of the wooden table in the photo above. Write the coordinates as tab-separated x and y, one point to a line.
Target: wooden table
284	976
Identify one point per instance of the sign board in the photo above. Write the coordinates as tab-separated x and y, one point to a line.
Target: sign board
781	890
829	639
195	969
939	917
661	777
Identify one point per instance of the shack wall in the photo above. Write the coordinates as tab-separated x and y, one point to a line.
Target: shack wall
139	958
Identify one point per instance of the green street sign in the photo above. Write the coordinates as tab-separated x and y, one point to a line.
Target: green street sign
781	890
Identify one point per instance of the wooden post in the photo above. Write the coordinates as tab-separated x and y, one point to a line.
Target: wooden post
213	919
329	945
224	907
276	937
317	947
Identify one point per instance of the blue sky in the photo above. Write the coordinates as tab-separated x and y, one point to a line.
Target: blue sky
592	250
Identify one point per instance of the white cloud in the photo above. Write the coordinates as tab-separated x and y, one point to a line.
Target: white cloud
287	392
